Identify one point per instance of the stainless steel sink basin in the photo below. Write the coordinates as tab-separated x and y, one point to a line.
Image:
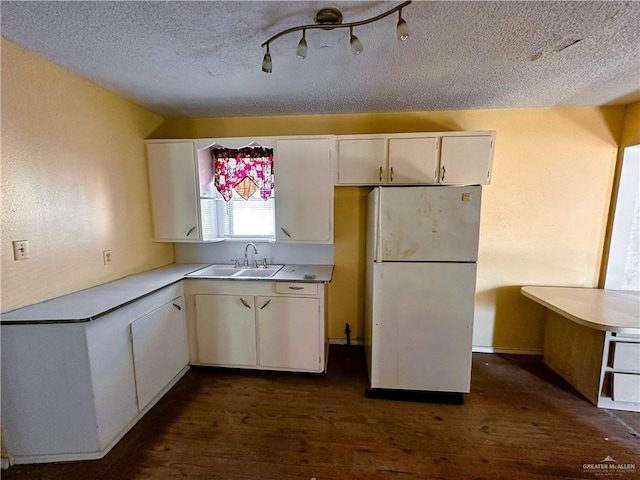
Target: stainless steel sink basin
217	271
229	271
260	272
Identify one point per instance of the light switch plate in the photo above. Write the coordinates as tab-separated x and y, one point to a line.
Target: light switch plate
21	250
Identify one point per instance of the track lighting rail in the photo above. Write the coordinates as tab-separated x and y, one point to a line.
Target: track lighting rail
330	19
328	26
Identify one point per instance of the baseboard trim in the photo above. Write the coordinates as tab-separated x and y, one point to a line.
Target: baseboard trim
514	351
475	348
343	341
96	455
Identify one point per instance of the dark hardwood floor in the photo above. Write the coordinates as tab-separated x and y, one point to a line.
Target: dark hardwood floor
520	421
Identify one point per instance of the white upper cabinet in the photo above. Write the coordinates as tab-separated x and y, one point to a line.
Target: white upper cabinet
303	189
452	158
174	194
362	160
413	160
466	160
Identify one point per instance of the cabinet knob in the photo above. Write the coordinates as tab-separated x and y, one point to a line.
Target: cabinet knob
177	306
190	231
242	300
443	172
380	178
391	175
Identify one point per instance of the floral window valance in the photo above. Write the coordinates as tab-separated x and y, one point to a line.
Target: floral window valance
245	170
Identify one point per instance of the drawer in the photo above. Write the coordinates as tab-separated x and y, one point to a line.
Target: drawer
297	288
626	388
626	356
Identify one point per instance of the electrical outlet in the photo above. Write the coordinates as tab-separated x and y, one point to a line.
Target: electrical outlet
21	250
107	257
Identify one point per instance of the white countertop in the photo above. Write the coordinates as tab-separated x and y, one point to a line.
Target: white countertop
94	302
607	310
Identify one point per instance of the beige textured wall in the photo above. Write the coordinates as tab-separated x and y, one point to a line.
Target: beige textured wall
543	218
74	182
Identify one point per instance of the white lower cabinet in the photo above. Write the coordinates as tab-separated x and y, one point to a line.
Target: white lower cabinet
288	332
70	391
226	330
260	325
160	352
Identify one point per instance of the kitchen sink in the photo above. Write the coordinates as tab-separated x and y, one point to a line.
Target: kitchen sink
217	271
260	272
230	271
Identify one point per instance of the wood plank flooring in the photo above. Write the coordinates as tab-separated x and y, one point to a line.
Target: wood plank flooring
520	421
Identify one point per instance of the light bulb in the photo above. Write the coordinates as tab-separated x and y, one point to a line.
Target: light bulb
301	51
266	63
356	45
402	30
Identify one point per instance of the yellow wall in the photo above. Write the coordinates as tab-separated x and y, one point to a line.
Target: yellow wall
631	132
74	182
543	219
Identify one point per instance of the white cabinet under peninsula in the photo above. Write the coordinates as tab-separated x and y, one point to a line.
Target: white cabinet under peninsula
257	324
74	383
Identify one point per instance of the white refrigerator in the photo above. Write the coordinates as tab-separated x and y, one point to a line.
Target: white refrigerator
422	247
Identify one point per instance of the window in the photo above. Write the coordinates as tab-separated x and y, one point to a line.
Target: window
241	181
252	218
624	251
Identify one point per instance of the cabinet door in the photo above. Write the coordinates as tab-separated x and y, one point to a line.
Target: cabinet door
362	161
289	333
225	330
160	351
466	160
413	160
174	196
303	190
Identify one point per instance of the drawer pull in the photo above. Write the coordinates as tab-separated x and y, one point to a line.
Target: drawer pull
177	306
296	288
190	231
245	303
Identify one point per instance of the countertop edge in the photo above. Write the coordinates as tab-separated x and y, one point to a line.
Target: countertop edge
573	316
170	274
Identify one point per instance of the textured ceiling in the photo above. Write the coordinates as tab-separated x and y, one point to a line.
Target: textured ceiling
203	59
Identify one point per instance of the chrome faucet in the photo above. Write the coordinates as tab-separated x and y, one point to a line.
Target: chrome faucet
255	252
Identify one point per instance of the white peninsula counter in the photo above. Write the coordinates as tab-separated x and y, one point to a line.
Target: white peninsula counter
592	340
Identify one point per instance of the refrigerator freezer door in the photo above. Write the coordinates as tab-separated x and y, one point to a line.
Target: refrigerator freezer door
428	224
421	326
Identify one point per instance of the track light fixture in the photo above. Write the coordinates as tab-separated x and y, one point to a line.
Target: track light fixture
330	19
